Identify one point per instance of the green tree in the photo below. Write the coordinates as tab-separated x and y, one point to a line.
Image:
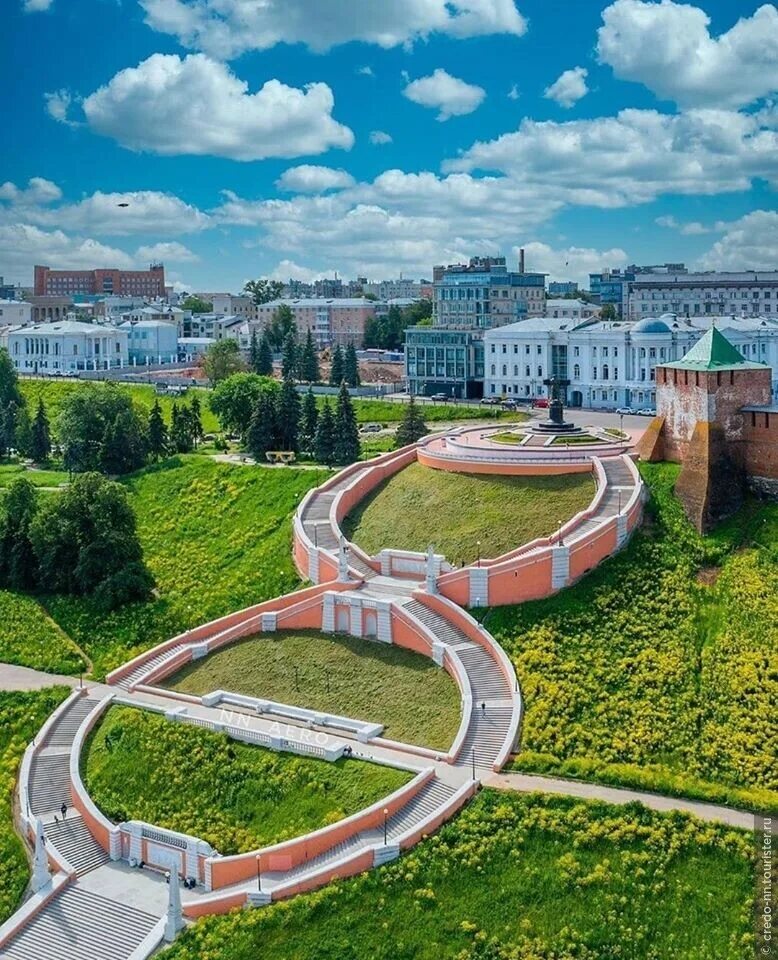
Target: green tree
124	447
289	361
338	369
18	565
308	422
85	541
351	366
254	352
608	312
309	360
23	432
197	304
222	360
412	426
99	428
371	339
263	290
9	381
265	357
324	446
9	415
261	435
40	443
181	433
196	419
234	399
347	446
282	323
289	416
157	433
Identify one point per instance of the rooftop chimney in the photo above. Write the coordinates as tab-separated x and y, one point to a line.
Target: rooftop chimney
521	260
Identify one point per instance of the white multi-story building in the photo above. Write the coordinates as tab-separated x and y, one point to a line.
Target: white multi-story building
67	346
572	309
609	363
753	293
15	313
151	341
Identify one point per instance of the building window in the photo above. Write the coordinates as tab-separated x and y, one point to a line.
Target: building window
594	373
576	372
493	369
605	372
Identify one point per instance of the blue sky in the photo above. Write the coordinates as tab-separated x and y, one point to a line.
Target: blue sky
243	135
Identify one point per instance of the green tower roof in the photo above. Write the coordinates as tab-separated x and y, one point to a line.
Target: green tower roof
714	352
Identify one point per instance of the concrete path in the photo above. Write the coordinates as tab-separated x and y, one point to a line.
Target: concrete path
23	678
528	783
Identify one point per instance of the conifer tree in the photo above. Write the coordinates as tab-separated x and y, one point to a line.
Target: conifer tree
254	352
265	358
181	439
324	446
23	432
412	426
288	417
308	422
9	381
40	445
261	434
196	420
157	433
351	366
309	360
289	361
338	370
346	432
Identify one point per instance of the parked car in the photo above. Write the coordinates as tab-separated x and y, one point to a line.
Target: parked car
490	401
540	402
509	404
439	396
624	411
371	428
646	412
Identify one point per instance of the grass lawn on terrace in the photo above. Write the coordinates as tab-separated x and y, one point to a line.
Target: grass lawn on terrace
453	511
53	392
415	700
30	638
217	538
518	877
660	668
237	796
507	437
22	714
38	478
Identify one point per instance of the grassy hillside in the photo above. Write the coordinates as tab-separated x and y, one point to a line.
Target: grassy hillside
415	700
238	797
518	877
453	511
21	716
661	667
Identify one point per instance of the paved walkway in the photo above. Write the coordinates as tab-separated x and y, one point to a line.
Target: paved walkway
22	678
528	783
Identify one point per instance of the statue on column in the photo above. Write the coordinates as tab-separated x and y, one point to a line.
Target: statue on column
343	561
40	865
432	586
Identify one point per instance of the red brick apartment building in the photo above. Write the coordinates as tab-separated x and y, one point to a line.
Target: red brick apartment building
124	283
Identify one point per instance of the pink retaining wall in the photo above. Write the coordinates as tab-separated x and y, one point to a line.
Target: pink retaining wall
283	856
517	469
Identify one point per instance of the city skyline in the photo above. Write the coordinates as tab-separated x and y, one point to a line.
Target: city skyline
289	143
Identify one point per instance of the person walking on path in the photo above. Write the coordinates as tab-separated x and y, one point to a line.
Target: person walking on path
63	810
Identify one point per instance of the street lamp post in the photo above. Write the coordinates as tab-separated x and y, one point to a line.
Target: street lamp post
621	424
561	540
259	875
386	814
478	545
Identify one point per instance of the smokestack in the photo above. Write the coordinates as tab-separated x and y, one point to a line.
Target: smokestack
521	260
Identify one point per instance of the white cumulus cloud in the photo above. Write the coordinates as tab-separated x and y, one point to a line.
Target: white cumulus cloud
379	137
570	263
195	105
37	191
668	47
633	157
568	88
166	252
227	28
449	95
22	245
36	6
750	243
309	178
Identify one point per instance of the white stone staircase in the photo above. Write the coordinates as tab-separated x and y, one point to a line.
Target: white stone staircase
127	681
81	925
73	840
